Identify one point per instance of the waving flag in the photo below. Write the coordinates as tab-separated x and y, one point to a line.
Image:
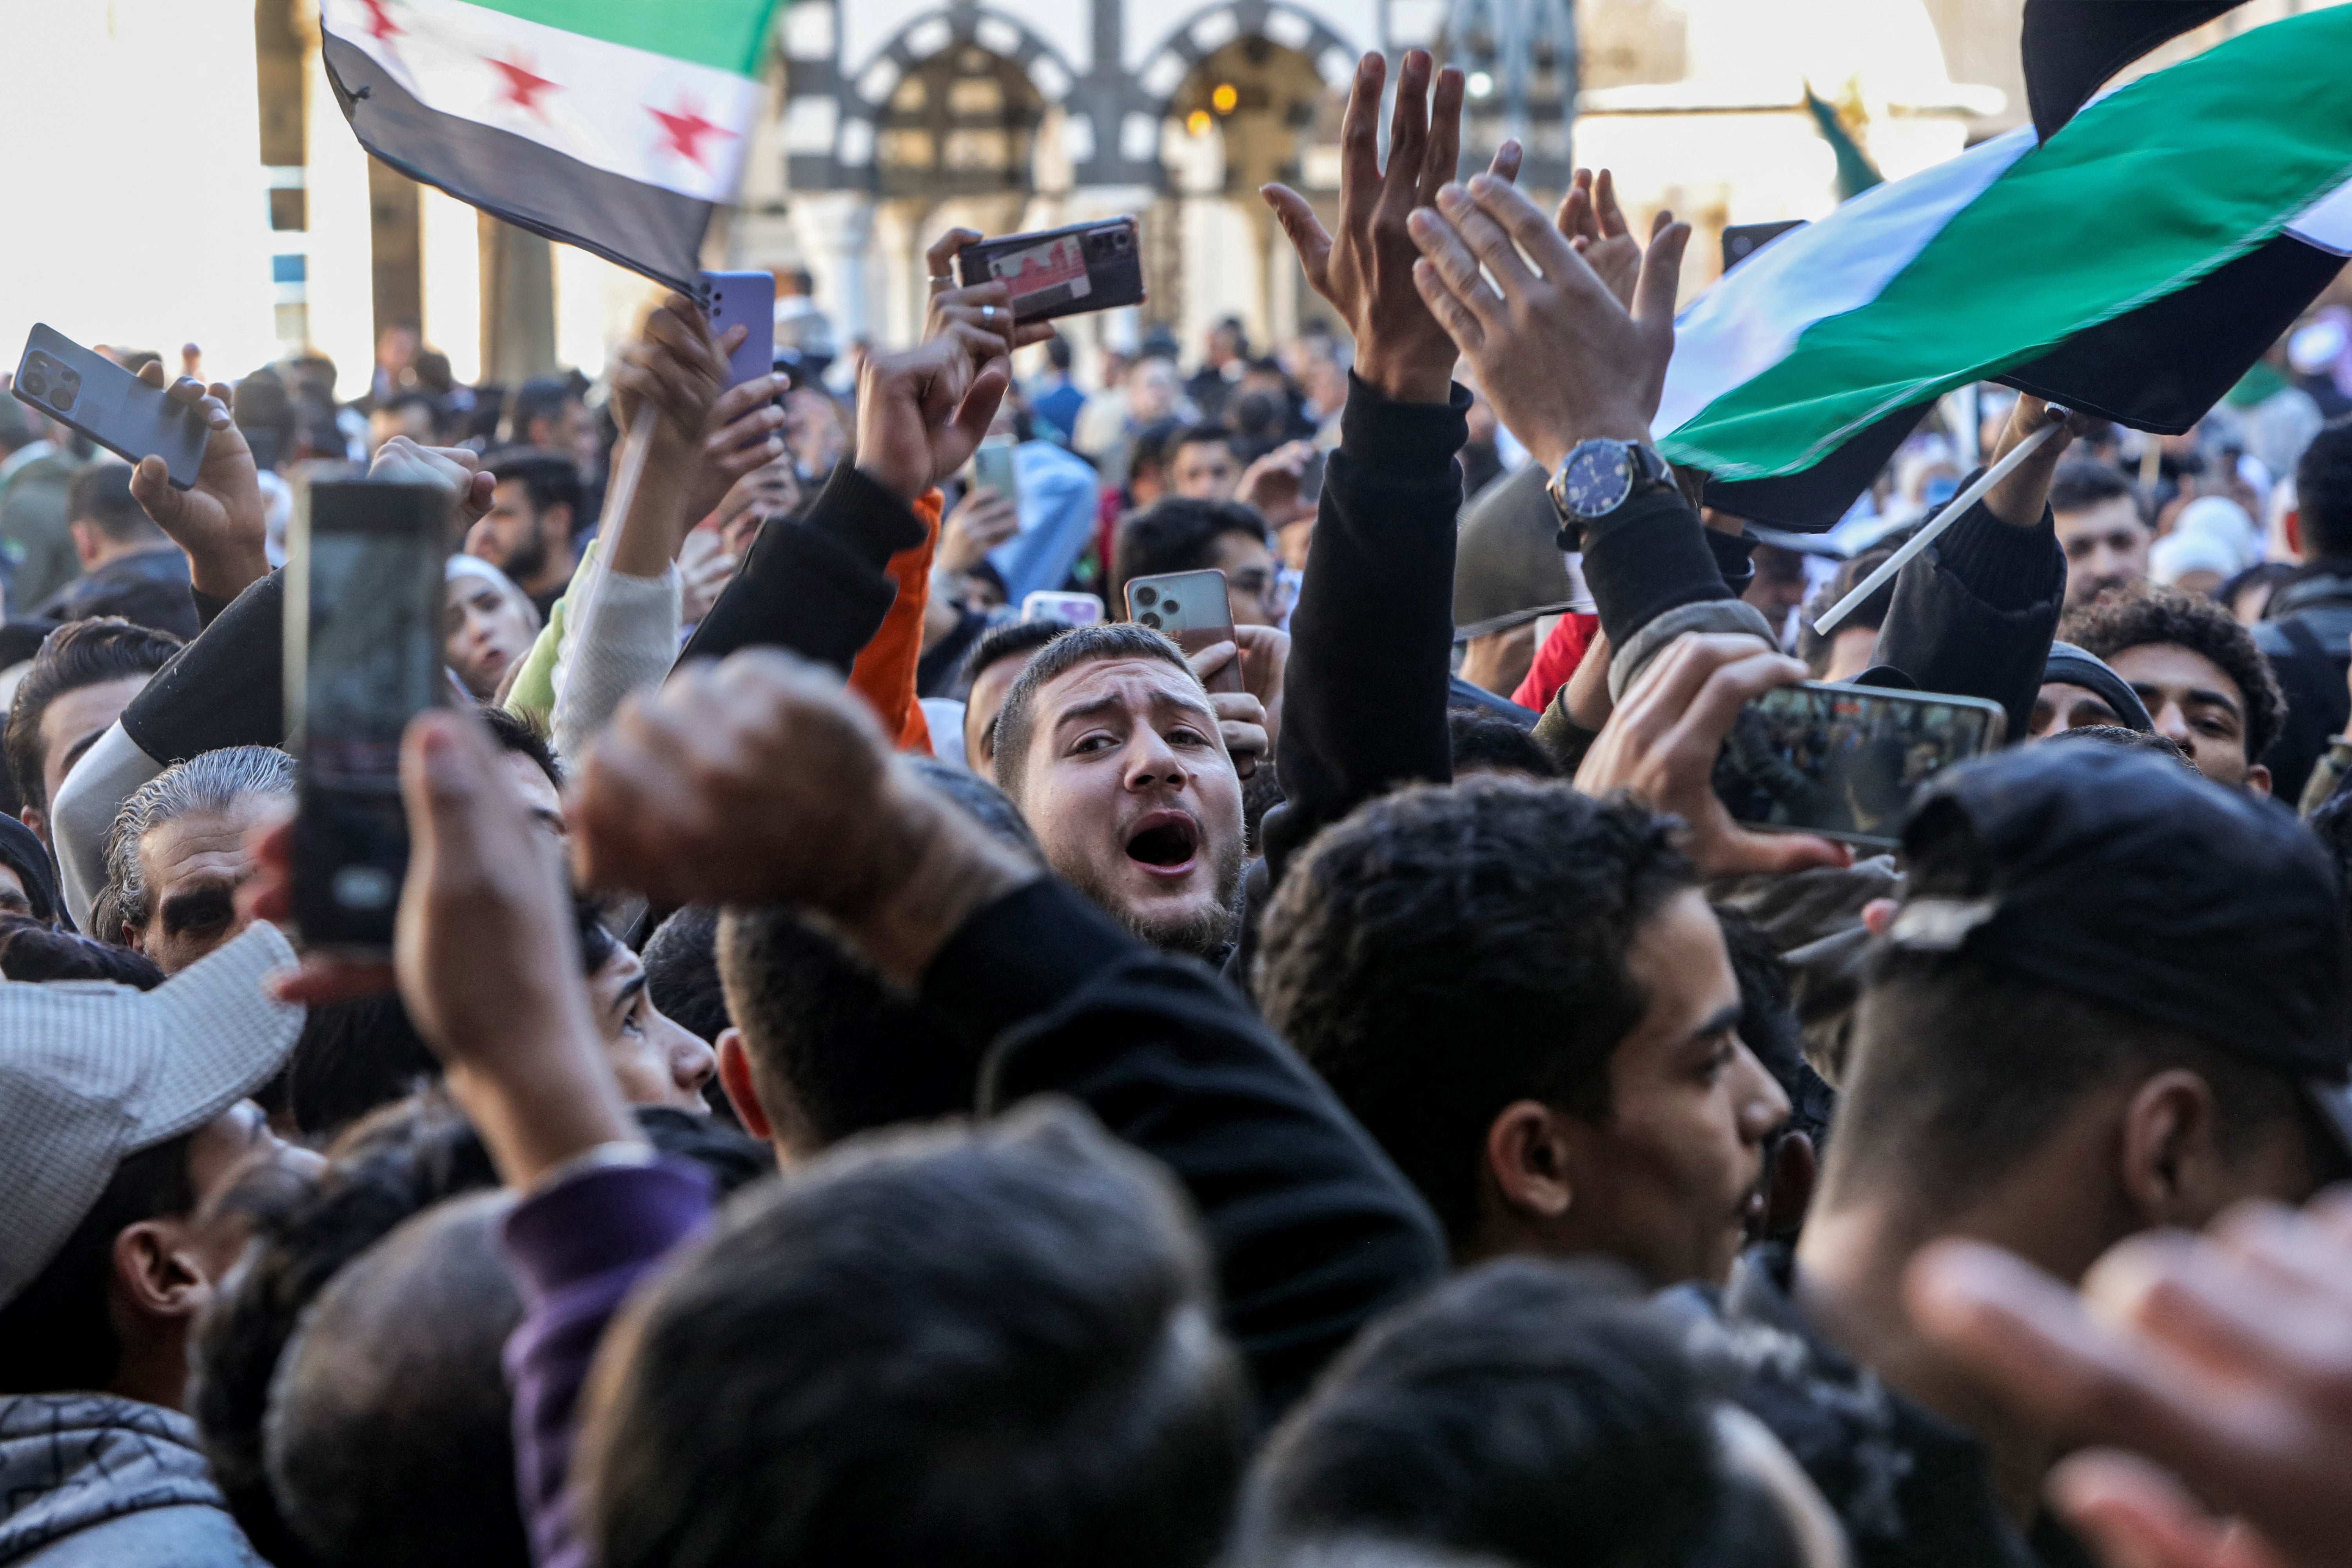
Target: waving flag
2133	264
613	125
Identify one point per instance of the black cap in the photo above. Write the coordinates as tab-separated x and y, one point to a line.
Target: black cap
2071	666
2118	876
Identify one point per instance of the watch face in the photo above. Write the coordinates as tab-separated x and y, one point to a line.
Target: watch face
1597	478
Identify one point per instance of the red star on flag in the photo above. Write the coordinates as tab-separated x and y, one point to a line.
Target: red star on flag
523	86
381	26
685	128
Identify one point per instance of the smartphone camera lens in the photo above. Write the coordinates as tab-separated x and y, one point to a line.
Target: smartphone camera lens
35	381
1175	608
1147	597
1151	620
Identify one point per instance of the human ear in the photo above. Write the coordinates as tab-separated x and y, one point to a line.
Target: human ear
155	1274
735	1078
2172	1172
2258	780
1528	1159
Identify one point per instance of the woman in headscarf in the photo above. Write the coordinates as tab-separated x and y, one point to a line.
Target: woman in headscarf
488	624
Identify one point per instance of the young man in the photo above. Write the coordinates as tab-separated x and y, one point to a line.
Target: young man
996	661
1204	464
2100	528
2196	670
80	681
130	567
527	533
2079	690
547	412
2054	1055
130	1122
1524	996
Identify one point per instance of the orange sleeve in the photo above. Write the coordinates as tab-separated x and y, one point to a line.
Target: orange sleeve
884	672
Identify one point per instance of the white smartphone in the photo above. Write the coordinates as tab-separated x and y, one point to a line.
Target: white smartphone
992	468
1049	604
1191	610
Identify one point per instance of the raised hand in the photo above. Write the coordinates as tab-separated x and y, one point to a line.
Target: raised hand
220	520
742	436
979	523
1595	225
1661	743
762	779
1272	483
704	566
920	412
677	366
1248	721
2019	498
987	307
1560	356
1366	268
2225	1358
455	468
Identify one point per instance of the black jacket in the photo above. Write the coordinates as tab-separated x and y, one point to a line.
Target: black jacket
2306	634
1973	614
1314	1231
148	588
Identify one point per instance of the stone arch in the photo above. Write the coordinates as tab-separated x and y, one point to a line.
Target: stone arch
866	99
1167	67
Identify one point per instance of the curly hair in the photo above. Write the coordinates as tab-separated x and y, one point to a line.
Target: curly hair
2148	613
1444	952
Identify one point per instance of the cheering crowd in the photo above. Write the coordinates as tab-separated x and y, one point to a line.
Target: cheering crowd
867	1074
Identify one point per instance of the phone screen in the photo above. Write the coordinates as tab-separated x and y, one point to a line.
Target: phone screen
364	659
1844	761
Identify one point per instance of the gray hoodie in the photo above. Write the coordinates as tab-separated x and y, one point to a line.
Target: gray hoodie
91	1480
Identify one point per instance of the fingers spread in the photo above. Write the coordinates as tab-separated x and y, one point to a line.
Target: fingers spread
1447	255
1304	230
1408	129
1488	241
1360	136
1661	279
1605	207
1440	162
1524	222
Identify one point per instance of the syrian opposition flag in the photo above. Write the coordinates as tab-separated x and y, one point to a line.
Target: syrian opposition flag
2133	259
613	125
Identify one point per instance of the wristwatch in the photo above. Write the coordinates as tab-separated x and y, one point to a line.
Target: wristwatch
1599	476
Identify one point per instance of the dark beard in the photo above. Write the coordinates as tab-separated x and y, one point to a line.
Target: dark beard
527	559
1204	936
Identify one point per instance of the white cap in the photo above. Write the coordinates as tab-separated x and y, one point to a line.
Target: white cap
91	1073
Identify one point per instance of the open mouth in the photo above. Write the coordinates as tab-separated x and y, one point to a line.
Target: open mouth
1165	840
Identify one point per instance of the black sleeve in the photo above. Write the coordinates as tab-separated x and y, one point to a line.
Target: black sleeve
1314	1231
1648	556
1364	697
818	585
1974	613
226	688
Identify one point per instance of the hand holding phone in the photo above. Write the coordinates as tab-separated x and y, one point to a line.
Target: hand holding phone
1191	610
1661	742
744	299
1060	272
1844	761
84	389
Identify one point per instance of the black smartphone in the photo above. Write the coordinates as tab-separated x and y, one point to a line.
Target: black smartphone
1061	271
83	388
1742	241
1843	761
363	609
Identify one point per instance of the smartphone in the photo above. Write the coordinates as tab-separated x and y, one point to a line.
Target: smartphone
1077	609
1843	762
1061	271
1742	241
744	299
1191	610
83	388
992	468
364	612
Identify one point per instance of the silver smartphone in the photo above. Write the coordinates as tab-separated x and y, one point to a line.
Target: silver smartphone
1191	610
1843	762
992	468
83	388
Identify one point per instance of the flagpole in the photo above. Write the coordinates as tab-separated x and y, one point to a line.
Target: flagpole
1933	530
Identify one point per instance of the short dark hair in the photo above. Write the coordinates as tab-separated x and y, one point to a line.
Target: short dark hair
988	1346
1206	434
525	737
2126	739
35	951
1442	953
1491	743
1057	353
538	397
1528	1412
264	411
1816	647
2322	491
56	1333
1083	645
388	1438
2149	613
550	479
681	961
100	494
351	1057
1177	534
1959	1069
1000	642
1150	446
834	1049
2081	483
78	654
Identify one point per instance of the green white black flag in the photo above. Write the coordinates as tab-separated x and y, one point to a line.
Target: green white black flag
2135	265
614	125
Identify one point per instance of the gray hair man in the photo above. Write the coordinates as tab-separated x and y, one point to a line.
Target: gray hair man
176	853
